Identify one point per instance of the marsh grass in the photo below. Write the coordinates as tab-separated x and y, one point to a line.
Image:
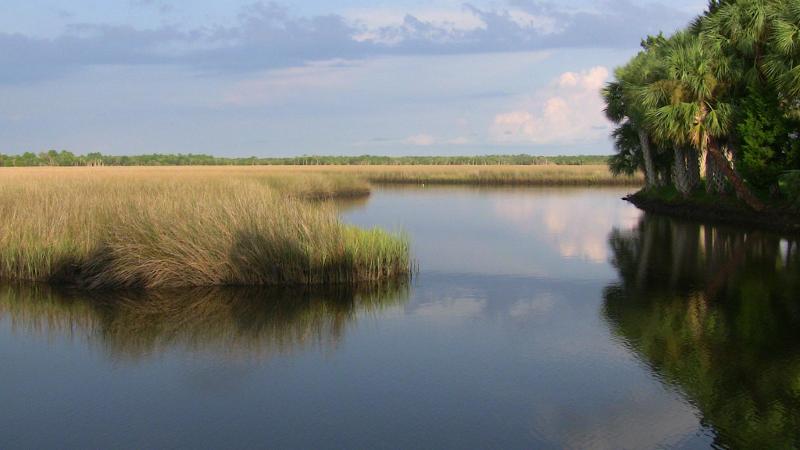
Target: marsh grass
503	176
498	175
165	227
120	228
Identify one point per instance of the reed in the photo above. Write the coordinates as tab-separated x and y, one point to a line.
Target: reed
112	228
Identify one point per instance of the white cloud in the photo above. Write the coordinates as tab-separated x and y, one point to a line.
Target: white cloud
569	110
393	26
422	140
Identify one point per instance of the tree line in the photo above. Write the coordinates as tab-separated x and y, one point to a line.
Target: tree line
66	158
716	104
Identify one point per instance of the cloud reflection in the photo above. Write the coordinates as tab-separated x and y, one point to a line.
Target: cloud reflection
575	226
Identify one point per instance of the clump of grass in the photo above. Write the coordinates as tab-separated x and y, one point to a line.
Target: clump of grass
140	228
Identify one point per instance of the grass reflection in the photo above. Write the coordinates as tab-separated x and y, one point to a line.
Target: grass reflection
236	321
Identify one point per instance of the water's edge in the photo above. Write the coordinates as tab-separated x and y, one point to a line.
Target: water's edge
777	221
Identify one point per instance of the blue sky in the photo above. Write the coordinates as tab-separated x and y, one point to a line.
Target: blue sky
238	77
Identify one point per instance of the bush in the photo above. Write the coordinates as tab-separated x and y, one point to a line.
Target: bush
790	186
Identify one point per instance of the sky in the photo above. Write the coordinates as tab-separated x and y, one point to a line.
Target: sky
351	77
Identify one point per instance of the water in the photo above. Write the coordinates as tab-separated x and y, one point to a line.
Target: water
544	318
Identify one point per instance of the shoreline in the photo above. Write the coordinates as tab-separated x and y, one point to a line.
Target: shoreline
720	213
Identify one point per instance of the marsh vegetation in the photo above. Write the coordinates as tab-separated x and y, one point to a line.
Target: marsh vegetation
102	228
165	227
496	175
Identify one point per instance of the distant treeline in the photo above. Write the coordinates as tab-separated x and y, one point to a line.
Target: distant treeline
65	158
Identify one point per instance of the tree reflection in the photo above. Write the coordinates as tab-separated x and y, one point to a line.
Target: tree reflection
238	322
715	312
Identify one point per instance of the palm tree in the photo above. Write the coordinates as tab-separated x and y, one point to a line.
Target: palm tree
763	38
624	107
782	63
764	34
688	106
740	30
628	159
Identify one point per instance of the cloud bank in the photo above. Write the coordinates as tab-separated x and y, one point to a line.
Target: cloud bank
268	36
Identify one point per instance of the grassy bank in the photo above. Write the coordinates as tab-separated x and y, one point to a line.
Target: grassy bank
100	228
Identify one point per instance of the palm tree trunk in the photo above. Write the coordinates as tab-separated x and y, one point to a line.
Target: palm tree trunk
649	167
680	172
715	183
664	176
693	167
722	165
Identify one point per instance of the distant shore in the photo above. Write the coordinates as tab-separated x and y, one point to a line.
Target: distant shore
393	174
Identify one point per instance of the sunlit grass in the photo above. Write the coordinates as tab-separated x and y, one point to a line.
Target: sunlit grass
506	175
162	227
102	228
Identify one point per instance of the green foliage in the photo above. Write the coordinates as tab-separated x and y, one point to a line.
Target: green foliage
728	81
765	142
790	186
628	159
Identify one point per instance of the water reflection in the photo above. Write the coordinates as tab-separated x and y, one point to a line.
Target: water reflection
715	312
235	322
570	219
541	232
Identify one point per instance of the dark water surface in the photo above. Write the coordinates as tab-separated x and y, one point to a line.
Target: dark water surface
541	318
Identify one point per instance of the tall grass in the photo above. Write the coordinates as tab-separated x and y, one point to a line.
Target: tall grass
115	228
506	175
503	176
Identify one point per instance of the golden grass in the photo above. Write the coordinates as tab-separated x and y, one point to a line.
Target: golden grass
503	176
161	227
100	228
500	175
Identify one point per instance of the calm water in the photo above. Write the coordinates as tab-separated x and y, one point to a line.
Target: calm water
543	318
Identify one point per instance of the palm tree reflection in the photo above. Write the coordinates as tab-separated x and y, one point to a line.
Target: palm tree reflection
715	312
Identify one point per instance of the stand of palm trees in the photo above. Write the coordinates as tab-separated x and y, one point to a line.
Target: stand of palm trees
719	99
